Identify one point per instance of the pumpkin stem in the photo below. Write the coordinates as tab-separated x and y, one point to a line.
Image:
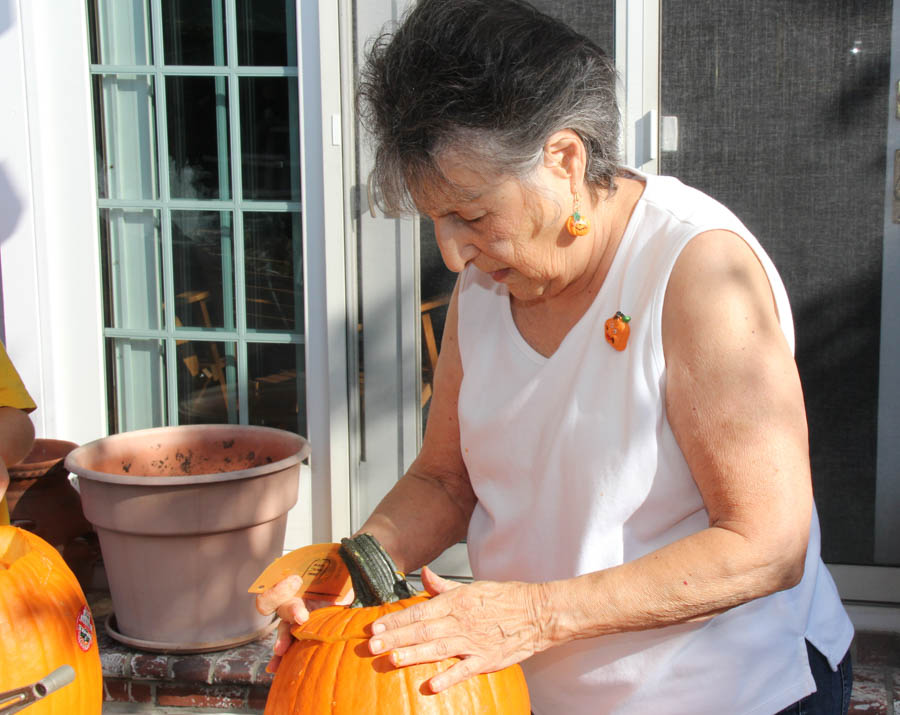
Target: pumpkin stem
375	578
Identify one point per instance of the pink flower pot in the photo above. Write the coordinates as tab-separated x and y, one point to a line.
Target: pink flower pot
187	517
40	497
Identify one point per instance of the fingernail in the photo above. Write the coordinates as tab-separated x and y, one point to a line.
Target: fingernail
378	628
396	657
376	646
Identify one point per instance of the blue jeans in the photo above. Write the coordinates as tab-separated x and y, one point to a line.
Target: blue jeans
832	696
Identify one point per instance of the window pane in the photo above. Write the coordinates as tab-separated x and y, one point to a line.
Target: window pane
277	386
269	138
206	382
594	19
120	32
136	384
178	257
203	263
197	117
264	29
193	32
274	272
125	132
132	268
437	283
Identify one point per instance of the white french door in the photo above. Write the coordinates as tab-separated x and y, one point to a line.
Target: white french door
402	294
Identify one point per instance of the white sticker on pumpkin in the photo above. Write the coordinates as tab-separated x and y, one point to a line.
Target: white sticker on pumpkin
84	629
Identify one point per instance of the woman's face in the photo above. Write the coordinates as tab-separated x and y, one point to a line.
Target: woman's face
507	231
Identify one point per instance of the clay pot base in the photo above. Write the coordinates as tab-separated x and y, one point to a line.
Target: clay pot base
162	647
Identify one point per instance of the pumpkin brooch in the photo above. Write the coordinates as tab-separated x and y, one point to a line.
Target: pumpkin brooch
329	668
618	330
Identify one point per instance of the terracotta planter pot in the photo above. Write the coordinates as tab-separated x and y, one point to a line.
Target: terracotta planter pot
187	517
40	497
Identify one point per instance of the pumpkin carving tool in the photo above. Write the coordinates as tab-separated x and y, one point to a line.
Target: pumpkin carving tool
12	701
321	569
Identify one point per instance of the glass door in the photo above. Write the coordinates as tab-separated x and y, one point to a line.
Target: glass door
597	21
781	111
402	292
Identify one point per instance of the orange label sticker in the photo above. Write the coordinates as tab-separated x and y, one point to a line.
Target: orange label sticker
319	565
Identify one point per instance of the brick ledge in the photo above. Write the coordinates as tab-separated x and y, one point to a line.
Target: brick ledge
234	679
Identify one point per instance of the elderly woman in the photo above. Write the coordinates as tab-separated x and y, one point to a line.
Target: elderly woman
618	428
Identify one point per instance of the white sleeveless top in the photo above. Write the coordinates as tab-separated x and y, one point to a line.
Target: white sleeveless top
576	469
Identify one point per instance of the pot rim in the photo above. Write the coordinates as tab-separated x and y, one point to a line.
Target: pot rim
21	469
74	466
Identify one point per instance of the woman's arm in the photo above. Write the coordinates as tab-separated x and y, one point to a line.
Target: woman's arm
429	508
16	435
16	439
426	511
734	402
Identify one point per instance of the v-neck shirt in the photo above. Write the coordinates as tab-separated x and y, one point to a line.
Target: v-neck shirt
576	469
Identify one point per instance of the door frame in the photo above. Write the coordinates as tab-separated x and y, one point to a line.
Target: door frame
887	493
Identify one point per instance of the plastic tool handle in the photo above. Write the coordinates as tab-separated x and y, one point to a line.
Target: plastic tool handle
59	678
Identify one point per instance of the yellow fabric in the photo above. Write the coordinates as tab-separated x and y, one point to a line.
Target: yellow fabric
12	391
12	394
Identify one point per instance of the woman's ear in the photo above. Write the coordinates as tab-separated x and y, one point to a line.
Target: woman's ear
564	152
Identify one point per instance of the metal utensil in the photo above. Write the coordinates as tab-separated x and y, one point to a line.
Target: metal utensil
12	701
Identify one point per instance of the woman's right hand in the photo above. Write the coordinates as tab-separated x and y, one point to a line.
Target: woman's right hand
282	600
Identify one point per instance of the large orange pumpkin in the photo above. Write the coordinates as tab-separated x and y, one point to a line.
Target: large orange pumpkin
329	668
45	623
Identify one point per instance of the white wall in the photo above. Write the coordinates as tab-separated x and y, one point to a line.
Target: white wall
48	218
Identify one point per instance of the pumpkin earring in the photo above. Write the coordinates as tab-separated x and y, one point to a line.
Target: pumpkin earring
576	224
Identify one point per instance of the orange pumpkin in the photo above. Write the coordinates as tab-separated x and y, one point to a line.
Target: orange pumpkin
45	623
329	668
617	330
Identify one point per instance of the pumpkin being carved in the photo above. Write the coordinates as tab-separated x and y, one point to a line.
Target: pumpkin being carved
45	623
329	668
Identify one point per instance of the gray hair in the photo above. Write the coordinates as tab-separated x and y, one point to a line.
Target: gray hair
493	79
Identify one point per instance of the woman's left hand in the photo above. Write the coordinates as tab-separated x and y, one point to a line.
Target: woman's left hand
489	625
